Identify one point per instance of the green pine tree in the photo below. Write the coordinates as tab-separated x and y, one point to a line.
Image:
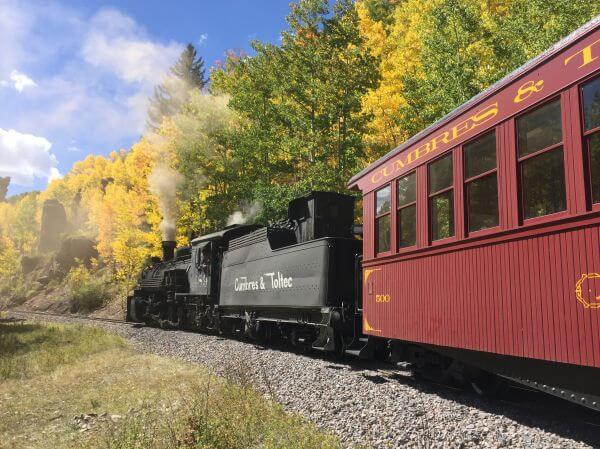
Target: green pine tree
186	75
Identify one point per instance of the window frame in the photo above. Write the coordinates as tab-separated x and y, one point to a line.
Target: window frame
466	181
454	237
585	142
405	206
520	159
377	217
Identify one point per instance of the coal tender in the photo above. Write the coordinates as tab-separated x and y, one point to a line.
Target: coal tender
294	280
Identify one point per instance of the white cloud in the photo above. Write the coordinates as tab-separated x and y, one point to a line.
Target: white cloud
115	43
95	75
25	157
20	81
202	39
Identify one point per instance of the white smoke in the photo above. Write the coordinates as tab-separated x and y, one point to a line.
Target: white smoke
246	214
163	182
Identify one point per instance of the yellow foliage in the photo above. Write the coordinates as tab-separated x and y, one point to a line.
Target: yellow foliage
9	257
19	222
399	48
106	198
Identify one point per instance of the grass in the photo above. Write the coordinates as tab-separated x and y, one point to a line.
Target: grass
27	350
54	373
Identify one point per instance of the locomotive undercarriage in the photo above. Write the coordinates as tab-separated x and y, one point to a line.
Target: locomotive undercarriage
329	329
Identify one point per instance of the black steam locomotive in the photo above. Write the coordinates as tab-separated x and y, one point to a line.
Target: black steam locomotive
297	280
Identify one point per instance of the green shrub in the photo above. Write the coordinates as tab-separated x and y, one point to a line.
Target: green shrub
87	291
15	293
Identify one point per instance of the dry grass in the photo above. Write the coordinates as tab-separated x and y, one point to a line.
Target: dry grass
160	403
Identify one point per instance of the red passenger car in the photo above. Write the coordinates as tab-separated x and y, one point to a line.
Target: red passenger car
482	232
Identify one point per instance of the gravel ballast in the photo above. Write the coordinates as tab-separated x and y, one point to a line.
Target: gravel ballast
374	406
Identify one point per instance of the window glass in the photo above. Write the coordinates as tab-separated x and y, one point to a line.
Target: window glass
543	181
383	201
407	226
440	174
383	234
591	104
540	128
594	145
407	190
482	197
442	216
480	155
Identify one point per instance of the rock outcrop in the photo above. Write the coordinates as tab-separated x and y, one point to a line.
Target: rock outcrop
75	249
54	223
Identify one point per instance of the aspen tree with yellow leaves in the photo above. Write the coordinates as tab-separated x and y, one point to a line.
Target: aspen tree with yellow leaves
435	55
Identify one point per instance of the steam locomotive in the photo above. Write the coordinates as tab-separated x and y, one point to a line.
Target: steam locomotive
296	280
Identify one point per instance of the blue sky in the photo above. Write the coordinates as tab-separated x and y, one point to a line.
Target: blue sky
75	76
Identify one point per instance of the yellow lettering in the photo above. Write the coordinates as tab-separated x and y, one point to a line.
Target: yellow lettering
398	165
376	177
586	55
416	153
461	128
383	298
486	114
441	138
527	90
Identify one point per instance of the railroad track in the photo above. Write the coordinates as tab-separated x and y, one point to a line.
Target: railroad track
61	315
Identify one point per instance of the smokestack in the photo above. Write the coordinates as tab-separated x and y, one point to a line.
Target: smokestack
168	248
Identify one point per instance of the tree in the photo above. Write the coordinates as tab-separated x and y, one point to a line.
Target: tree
436	55
186	75
395	37
301	102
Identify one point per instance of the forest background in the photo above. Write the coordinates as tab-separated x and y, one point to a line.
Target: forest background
346	84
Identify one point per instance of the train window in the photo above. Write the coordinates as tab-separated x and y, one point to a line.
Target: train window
540	128
591	104
382	219
441	198
541	161
440	174
594	149
481	183
480	155
407	210
590	93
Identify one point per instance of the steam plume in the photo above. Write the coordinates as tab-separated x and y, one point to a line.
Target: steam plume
163	182
248	213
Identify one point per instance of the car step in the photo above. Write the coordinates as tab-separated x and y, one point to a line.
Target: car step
364	348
